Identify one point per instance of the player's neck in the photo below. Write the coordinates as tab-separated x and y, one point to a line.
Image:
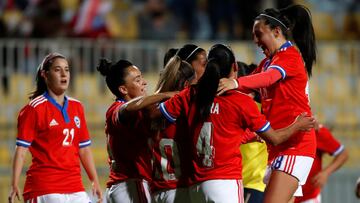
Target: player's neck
59	98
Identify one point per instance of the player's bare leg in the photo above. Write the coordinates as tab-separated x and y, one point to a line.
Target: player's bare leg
280	188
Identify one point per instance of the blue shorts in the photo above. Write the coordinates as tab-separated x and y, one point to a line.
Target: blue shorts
253	196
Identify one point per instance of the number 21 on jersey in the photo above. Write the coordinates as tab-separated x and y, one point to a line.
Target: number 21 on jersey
69	137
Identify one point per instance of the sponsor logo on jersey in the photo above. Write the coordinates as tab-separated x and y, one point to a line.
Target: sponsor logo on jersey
53	122
77	121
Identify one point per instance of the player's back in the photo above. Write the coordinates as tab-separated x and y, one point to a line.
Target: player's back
217	140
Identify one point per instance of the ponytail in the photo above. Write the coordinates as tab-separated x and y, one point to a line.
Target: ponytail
302	32
220	61
207	88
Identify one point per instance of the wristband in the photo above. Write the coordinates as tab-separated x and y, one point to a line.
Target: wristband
236	83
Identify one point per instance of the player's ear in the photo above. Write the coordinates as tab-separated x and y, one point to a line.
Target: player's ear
43	74
277	31
235	66
123	90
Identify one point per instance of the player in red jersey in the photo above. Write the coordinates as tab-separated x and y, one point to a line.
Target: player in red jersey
127	133
326	143
217	125
171	160
282	78
53	128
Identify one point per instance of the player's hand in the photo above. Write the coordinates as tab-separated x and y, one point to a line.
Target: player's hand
225	84
96	190
15	192
320	179
305	122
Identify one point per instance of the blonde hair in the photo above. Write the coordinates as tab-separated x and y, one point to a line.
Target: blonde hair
174	75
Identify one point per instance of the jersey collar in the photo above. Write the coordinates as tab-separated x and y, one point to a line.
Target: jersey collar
121	100
282	48
285	45
63	108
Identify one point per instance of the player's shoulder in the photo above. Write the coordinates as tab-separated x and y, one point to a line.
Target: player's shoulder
291	51
73	100
37	101
115	106
238	94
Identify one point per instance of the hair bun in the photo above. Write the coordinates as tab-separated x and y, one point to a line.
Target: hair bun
104	66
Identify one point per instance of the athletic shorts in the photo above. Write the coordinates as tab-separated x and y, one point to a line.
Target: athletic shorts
316	199
297	166
76	197
131	190
219	191
178	195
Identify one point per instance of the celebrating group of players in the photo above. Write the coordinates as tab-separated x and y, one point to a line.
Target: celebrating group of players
181	144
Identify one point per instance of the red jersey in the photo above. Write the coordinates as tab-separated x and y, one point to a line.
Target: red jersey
326	143
54	135
216	141
171	156
283	101
127	144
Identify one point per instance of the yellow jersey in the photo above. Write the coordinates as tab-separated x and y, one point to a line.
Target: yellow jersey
254	161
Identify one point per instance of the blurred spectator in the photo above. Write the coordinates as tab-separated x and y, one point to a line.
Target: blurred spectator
155	22
12	18
352	22
163	19
185	12
246	15
46	18
90	19
222	16
122	20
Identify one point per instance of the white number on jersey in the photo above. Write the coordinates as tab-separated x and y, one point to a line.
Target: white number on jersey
307	91
69	136
169	163
205	150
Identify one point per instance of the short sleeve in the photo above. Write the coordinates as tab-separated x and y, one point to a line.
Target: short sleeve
288	63
26	127
84	138
172	108
327	143
254	120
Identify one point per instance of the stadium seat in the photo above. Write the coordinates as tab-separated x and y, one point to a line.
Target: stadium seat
324	26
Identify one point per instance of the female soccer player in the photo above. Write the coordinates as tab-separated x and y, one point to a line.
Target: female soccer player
217	126
171	160
318	176
53	127
127	133
282	78
194	55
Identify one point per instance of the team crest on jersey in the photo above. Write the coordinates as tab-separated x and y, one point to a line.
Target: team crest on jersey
77	121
